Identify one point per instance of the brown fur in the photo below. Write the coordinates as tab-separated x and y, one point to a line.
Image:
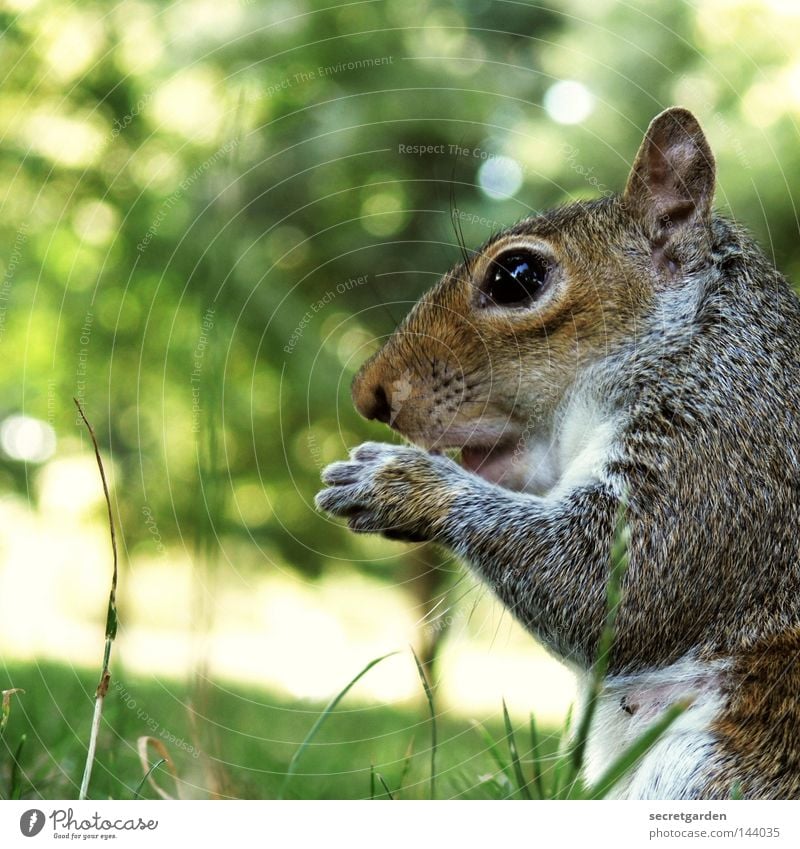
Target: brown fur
759	730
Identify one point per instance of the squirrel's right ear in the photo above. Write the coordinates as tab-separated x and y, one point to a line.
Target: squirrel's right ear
671	183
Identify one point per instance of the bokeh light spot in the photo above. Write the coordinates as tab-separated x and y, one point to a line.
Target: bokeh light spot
27	439
568	102
500	177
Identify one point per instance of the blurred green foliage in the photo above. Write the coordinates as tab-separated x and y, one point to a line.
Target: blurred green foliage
189	187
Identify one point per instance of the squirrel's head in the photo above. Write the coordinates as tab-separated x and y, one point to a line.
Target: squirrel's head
485	357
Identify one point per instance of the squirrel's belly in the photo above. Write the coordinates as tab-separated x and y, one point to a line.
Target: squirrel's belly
677	766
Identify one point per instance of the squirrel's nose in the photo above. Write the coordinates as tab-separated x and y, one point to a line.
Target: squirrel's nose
374	404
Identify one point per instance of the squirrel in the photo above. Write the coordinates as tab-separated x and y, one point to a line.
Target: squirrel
636	349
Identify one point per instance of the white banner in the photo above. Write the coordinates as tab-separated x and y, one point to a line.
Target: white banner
400	825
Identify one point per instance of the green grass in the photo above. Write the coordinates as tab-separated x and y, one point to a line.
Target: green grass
250	736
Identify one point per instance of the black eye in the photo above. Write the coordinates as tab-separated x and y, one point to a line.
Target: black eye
515	279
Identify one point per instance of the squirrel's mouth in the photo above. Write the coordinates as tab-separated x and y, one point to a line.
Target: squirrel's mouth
495	451
497	463
493	463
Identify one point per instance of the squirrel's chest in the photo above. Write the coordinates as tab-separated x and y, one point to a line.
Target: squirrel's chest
575	455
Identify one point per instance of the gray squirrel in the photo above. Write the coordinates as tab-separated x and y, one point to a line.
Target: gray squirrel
637	347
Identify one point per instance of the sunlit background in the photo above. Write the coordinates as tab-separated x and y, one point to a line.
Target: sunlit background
210	218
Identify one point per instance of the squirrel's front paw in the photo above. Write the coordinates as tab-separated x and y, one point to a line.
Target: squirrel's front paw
401	492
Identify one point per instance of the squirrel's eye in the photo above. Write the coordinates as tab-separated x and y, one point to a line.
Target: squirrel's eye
515	279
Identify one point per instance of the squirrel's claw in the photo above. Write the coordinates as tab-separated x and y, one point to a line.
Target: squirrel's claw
368	452
341	473
340	500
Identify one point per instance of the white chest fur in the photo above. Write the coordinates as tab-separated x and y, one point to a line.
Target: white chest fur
576	453
584	443
676	766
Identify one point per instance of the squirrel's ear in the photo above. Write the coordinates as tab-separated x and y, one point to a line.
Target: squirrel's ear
672	180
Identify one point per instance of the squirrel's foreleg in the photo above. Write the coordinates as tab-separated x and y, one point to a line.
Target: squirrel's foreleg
547	560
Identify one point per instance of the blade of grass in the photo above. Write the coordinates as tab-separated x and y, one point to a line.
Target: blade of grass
385	786
522	784
329	708
494	751
561	761
143	745
460	785
111	621
623	764
406	765
371	781
138	791
538	779
15	786
434	740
